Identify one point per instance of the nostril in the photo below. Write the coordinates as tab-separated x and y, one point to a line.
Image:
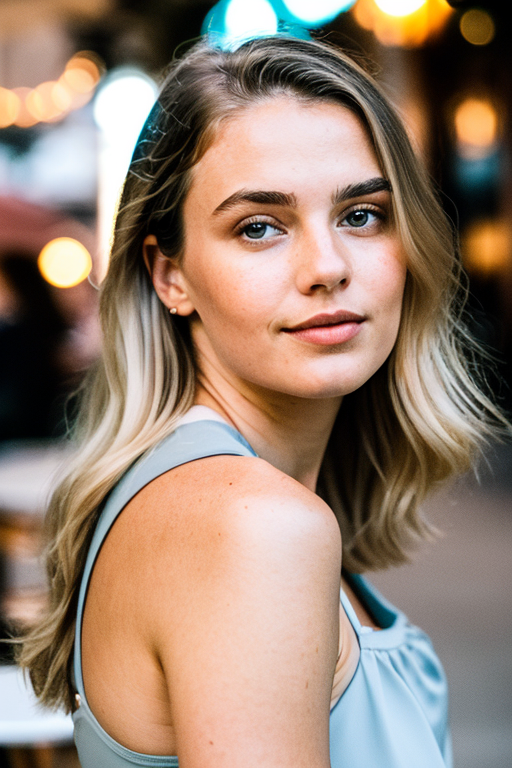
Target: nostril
329	288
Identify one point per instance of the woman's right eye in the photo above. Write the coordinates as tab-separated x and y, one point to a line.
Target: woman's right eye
259	230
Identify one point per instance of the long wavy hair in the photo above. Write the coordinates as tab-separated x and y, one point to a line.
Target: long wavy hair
420	419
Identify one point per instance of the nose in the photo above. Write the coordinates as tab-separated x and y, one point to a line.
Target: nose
323	260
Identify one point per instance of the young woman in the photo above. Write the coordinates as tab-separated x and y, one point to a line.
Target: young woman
285	376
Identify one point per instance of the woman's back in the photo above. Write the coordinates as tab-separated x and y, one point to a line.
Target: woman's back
126	687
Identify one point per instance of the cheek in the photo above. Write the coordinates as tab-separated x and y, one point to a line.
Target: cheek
388	282
225	293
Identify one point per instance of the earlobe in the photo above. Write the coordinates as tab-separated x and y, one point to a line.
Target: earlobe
167	278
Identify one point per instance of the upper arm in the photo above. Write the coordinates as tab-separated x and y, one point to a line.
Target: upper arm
247	631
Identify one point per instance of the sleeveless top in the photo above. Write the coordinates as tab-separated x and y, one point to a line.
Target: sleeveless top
393	714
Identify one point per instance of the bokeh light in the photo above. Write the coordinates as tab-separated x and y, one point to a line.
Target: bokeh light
250	18
317	12
62	97
123	102
486	246
9	107
399	7
41	103
82	73
24	118
64	262
476	126
121	106
52	100
477	27
409	30
80	78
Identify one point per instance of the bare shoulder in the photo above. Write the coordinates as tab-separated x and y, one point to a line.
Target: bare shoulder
232	501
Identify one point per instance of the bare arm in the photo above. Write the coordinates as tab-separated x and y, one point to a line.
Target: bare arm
249	642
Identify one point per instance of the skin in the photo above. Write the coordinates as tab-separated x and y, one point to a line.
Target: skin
203	631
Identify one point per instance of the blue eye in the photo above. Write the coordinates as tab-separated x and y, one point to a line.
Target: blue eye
256	231
259	230
358	218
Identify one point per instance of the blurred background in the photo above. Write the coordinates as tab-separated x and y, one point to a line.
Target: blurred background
77	79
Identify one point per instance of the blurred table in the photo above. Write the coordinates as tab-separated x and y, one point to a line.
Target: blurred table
27	473
23	722
34	737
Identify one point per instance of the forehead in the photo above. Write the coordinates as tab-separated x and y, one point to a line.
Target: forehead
284	144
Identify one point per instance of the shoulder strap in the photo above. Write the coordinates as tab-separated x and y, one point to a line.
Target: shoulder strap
189	442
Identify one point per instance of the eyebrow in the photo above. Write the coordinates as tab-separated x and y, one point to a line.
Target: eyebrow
257	196
368	187
264	197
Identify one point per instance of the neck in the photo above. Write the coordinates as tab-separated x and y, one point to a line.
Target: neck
290	433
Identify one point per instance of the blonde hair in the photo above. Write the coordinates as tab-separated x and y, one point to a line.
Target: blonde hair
415	423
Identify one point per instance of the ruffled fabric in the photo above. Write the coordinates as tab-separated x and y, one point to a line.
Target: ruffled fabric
394	713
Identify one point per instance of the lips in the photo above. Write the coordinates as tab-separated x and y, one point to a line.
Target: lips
327	319
328	328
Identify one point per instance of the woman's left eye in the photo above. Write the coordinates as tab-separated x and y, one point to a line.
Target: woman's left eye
361	217
259	230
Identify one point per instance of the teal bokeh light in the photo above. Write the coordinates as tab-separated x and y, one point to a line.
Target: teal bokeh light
311	13
231	22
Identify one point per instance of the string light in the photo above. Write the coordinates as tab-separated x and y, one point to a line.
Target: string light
9	107
24	118
54	99
41	104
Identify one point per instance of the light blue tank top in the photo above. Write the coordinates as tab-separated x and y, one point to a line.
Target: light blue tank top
393	713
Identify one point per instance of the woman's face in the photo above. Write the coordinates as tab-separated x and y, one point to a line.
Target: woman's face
292	271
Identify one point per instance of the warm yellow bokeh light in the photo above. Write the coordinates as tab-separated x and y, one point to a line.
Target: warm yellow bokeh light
81	74
24	119
399	7
41	103
409	30
486	246
476	123
9	107
64	262
79	80
67	98
477	27
52	100
62	96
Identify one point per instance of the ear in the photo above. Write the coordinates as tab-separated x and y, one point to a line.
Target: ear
167	278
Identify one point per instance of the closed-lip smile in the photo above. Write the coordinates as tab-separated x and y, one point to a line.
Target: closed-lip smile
328	328
326	319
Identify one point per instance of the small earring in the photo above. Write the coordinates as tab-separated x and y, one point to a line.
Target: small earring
173	310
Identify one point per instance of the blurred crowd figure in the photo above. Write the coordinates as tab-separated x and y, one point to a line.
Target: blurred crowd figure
47	339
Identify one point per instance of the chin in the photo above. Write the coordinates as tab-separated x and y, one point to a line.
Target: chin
329	389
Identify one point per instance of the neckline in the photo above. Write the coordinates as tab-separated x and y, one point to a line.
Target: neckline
200	413
393	622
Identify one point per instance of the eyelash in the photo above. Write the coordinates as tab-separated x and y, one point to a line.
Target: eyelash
240	229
